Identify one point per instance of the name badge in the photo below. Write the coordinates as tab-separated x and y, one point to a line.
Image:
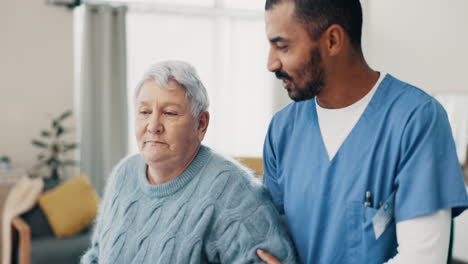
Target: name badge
384	216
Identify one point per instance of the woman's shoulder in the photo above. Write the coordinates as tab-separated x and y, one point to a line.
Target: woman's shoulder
234	179
223	164
128	165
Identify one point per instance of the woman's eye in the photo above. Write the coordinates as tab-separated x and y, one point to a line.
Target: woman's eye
144	112
170	113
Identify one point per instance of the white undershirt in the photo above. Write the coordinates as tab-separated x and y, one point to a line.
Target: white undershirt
423	239
336	124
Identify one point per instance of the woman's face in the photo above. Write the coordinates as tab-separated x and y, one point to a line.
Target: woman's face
166	131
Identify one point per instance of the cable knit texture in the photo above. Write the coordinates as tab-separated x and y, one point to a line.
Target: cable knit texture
214	212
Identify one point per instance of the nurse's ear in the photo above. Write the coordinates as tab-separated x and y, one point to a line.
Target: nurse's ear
333	40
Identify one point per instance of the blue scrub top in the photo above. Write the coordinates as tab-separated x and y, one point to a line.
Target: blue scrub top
401	147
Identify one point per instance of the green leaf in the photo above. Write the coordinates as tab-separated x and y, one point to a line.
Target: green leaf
55	124
64	115
59	131
67	147
45	133
40	144
52	162
55	148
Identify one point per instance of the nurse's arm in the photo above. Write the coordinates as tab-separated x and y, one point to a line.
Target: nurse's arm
423	239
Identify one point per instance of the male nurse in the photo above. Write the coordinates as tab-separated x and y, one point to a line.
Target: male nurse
362	164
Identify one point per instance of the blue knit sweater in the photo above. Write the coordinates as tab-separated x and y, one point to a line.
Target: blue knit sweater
214	212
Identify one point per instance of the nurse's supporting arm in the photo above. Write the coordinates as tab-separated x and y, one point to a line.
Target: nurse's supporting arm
430	188
270	175
424	239
270	182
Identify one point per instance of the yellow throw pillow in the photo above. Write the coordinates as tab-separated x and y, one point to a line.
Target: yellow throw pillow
70	207
255	164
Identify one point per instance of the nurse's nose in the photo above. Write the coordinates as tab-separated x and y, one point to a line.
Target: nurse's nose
273	64
155	126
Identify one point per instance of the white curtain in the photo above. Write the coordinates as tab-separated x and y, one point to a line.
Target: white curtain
102	92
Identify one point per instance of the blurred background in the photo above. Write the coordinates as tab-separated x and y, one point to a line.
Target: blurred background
87	57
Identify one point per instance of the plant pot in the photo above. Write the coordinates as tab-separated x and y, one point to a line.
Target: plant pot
4	166
52	181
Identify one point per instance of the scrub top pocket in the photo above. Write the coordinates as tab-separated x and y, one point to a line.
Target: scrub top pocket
381	249
363	247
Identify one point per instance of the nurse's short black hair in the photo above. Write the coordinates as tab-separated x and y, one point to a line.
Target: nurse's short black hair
318	15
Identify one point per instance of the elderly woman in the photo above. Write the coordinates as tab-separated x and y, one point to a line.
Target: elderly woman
178	201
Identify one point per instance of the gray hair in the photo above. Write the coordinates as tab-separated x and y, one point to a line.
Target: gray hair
185	75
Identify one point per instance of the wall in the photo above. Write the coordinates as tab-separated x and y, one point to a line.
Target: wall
421	41
424	42
36	73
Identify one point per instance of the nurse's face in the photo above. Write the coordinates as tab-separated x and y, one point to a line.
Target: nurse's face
294	57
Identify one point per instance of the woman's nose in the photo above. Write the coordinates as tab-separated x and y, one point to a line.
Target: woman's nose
155	125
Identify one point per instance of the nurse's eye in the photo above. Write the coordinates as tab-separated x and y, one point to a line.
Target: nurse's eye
281	47
144	112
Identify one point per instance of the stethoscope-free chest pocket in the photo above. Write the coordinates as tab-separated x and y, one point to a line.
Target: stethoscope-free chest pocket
379	231
363	246
384	216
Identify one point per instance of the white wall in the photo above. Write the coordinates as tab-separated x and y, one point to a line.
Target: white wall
423	42
36	73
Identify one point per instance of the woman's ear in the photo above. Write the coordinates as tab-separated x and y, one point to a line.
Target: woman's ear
203	121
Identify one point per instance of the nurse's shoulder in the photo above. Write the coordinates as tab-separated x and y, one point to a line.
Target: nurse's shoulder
293	114
406	101
407	96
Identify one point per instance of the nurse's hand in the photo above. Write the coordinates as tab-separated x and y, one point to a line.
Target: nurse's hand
266	257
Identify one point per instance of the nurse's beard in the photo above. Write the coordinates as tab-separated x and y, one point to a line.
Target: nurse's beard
313	86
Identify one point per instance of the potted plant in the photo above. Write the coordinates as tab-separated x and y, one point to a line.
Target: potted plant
4	163
54	148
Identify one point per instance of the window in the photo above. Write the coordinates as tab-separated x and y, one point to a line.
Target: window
245	4
229	52
200	3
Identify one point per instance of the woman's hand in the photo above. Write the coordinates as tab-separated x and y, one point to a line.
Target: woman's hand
266	257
